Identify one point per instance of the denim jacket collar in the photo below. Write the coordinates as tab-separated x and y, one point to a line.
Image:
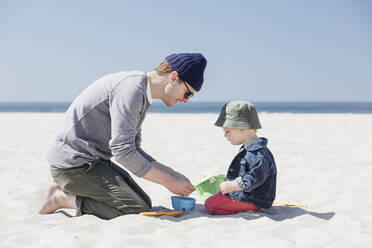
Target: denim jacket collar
255	145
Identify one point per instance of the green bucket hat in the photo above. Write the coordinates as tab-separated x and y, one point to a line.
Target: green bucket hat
238	115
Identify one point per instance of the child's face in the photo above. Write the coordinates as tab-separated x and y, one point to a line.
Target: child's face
235	136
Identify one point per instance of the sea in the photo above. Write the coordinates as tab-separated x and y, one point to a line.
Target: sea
207	107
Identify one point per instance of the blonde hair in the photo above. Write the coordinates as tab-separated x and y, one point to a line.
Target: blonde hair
164	68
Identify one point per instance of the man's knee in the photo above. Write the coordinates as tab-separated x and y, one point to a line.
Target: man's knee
143	208
133	206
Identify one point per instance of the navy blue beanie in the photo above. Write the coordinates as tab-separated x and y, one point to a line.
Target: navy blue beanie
190	67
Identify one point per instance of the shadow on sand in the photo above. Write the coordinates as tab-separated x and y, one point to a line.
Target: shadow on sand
276	213
64	213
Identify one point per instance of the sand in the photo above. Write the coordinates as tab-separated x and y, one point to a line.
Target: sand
323	160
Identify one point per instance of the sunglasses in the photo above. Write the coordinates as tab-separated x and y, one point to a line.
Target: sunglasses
188	94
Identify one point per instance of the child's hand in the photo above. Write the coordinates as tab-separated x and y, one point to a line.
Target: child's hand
229	186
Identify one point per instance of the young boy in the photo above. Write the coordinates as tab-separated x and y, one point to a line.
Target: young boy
251	178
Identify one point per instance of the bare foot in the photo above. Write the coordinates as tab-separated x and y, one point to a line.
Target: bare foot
56	199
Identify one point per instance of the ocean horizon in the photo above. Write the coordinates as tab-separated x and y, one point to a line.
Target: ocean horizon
205	107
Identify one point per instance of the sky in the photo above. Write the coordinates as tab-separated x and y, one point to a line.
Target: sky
276	50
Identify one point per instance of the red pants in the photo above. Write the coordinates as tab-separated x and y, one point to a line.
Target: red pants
220	204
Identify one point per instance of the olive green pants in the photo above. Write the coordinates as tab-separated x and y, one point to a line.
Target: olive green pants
102	189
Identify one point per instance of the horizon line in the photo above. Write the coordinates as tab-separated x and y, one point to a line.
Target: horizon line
214	101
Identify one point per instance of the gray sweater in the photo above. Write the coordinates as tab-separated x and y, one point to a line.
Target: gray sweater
103	123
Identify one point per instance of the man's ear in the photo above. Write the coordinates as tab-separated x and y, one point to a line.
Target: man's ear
173	77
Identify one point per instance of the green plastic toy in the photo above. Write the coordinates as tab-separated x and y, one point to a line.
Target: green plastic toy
209	186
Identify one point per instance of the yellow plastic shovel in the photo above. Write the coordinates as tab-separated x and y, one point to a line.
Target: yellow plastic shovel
171	213
289	204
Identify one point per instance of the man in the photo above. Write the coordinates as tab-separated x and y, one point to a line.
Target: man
102	129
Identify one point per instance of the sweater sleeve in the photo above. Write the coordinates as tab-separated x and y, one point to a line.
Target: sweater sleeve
126	106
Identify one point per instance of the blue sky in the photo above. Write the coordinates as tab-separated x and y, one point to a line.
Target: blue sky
256	50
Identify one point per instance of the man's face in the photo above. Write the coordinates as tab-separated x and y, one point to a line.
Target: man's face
234	136
177	90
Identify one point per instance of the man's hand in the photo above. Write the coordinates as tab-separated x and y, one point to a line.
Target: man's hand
229	186
175	182
180	185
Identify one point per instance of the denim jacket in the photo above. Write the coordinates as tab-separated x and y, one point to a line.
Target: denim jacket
255	171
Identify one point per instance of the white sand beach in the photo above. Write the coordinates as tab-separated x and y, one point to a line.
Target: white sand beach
323	160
